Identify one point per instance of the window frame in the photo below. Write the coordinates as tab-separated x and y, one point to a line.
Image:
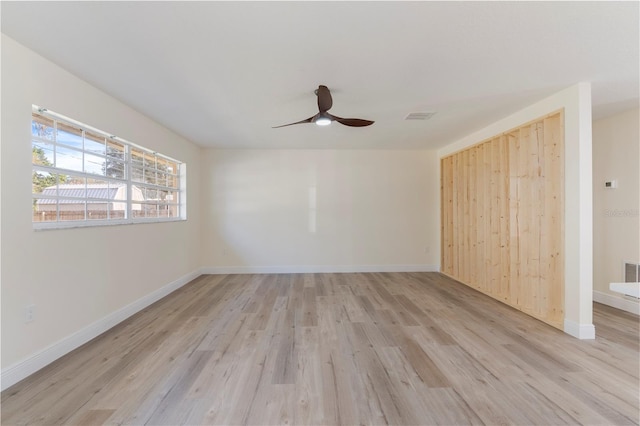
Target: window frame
177	178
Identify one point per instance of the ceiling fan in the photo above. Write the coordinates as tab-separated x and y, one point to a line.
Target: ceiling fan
323	118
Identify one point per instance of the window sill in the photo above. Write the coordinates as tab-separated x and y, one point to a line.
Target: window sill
50	226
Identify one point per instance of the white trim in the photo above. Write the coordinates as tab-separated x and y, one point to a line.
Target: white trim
297	269
50	226
617	302
22	369
182	185
581	331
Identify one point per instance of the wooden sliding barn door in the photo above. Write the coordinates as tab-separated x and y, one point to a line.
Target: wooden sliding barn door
502	218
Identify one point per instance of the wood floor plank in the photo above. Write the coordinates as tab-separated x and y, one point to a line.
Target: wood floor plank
91	417
308	380
337	349
168	411
287	356
309	311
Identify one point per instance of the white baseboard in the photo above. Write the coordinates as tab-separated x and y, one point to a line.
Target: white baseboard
297	269
22	369
581	331
617	302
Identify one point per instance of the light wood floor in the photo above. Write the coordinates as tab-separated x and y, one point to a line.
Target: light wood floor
391	348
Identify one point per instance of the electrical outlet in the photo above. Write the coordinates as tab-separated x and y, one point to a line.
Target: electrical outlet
29	313
427	250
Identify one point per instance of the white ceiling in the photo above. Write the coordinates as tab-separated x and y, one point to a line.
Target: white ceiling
223	73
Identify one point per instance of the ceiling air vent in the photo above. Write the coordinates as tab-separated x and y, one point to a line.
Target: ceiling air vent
419	116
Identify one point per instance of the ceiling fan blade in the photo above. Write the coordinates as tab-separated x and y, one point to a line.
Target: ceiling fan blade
324	98
353	122
308	120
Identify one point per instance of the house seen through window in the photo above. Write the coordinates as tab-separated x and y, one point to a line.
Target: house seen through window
83	176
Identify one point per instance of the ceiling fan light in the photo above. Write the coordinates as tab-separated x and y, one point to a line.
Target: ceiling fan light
323	121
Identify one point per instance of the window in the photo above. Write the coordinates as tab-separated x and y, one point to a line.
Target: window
86	177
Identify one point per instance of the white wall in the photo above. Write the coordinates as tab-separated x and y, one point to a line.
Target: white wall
80	276
320	210
578	219
616	155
